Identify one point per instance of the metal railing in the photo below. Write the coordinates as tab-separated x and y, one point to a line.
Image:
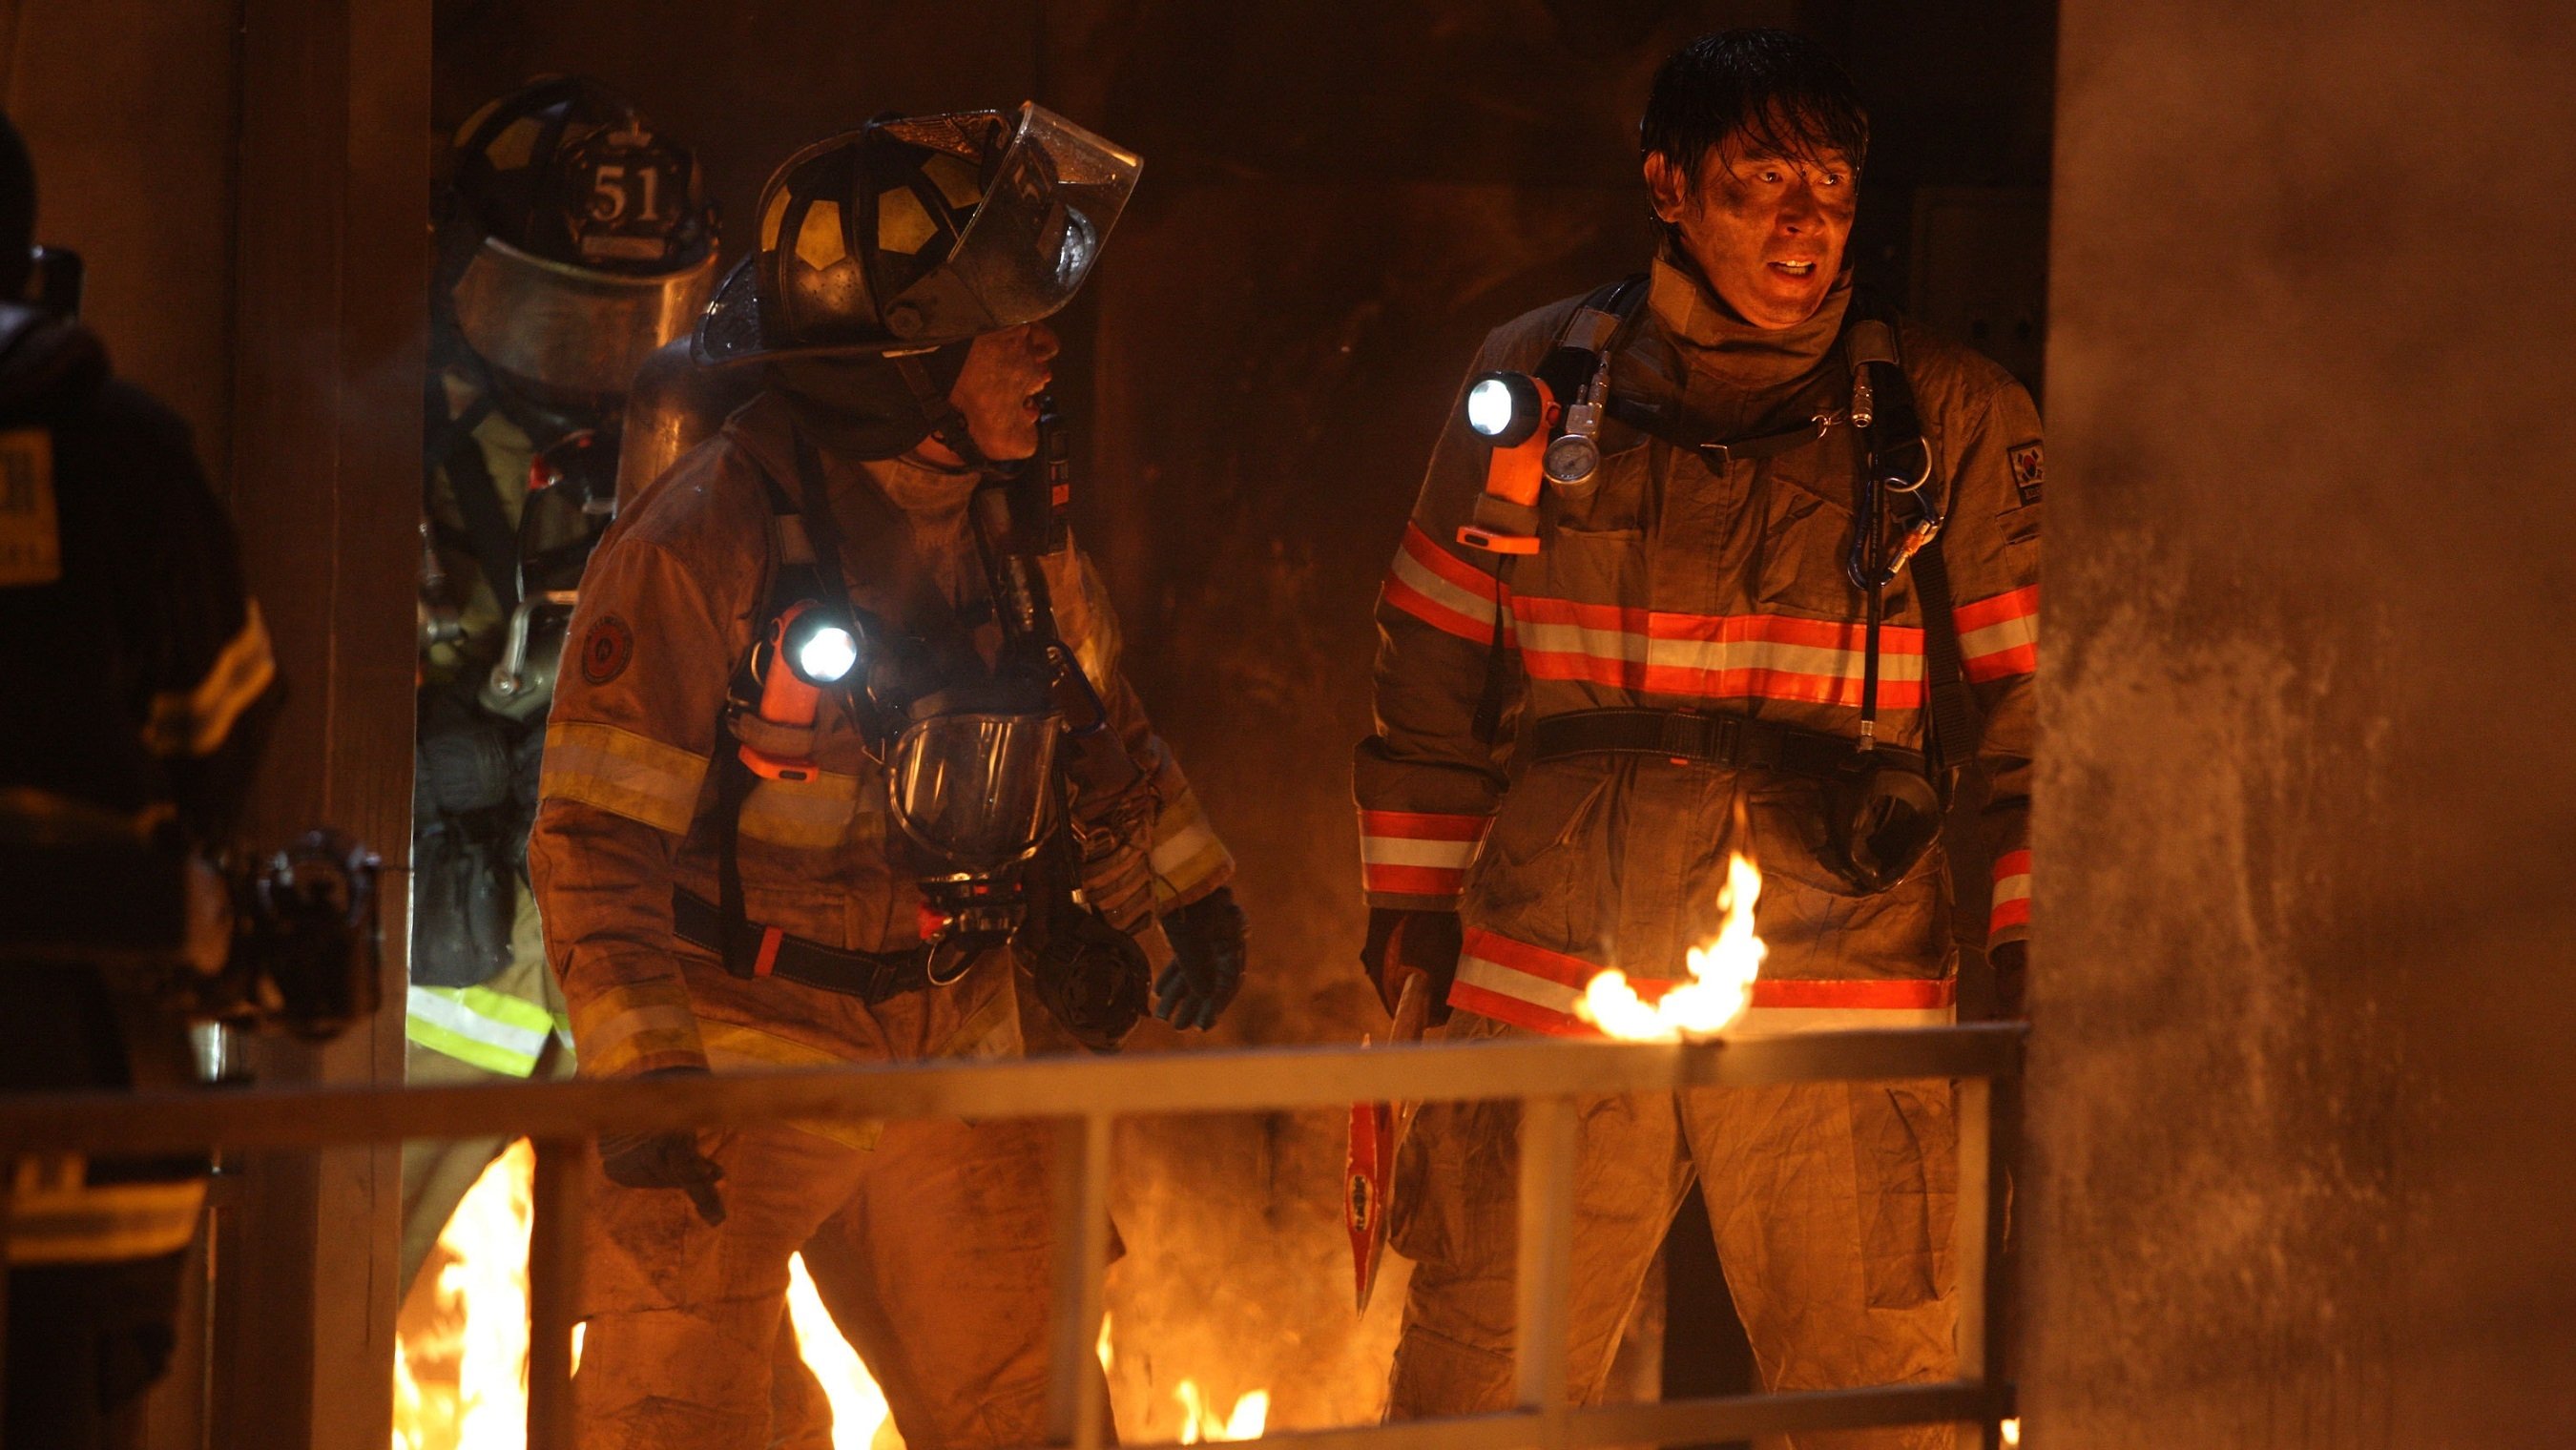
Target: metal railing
1087	1095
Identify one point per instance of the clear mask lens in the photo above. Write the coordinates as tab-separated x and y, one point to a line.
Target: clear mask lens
974	790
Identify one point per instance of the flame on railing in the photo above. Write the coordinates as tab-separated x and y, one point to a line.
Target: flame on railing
1201	1424
1721	975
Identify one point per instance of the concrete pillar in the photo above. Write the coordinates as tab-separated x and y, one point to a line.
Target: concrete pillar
2301	1112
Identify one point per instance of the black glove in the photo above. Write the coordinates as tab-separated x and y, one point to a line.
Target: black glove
665	1160
2011	963
1207	961
1402	942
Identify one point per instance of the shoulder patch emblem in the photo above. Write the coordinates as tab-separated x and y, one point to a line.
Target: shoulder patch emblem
2026	471
606	650
31	547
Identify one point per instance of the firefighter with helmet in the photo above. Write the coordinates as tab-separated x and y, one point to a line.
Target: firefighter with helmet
573	240
1772	582
751	851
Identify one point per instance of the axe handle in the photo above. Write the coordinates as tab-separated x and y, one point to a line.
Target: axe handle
1412	1008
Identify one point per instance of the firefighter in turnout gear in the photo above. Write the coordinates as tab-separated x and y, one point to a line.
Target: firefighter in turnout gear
574	241
1712	639
136	687
743	859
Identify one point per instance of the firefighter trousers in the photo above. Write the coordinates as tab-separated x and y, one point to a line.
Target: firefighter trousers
940	1246
1831	1204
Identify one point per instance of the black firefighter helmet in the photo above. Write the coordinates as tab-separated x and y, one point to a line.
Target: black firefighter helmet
917	233
577	237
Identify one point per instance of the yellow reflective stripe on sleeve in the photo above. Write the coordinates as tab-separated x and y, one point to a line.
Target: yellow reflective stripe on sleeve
637	1026
1186	852
622	773
814	814
733	1046
56	1218
196	721
491	1030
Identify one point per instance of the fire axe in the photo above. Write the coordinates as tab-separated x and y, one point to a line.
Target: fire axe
1375	1127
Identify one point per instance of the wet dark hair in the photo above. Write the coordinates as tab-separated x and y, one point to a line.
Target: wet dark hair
1752	90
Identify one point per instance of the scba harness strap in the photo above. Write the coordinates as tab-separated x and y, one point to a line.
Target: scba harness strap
1887	803
804	565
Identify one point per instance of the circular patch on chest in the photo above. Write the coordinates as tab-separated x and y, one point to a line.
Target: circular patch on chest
606	650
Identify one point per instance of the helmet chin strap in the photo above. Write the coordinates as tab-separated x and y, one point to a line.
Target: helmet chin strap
947	424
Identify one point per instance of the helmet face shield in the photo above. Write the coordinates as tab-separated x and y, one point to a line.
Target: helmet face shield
974	790
574	332
1051	202
920	233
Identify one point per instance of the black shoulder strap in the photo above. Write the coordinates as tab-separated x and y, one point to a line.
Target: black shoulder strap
1951	714
1593	329
456	452
805	550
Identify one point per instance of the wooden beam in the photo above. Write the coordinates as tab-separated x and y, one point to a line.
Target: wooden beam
330	284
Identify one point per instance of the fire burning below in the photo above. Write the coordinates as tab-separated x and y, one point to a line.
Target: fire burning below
1721	976
859	1415
461	1350
461	1377
1201	1424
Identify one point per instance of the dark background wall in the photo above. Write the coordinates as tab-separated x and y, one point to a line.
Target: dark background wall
1338	201
2305	985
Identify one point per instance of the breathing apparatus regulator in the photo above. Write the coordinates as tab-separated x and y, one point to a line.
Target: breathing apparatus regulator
1883	807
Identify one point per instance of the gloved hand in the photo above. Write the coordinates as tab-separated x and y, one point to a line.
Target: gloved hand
1207	939
2011	962
665	1160
1402	942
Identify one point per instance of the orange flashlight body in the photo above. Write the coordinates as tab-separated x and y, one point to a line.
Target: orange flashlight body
787	701
1506	518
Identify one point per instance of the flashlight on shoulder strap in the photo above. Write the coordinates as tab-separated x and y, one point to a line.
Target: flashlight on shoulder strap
1536	441
809	649
1517	413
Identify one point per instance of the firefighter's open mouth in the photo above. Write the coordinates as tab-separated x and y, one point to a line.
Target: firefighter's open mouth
1794	269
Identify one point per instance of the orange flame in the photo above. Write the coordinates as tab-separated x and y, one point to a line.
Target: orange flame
1201	1424
1721	976
859	1413
476	1329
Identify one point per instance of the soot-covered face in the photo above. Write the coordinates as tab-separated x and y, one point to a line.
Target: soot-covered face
1766	230
998	391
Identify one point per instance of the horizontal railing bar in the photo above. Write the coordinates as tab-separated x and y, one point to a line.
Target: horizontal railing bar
1742	1417
1678	1422
1242	1081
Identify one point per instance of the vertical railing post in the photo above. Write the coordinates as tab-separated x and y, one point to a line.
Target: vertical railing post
1546	1277
8	1226
1077	1405
1975	1117
554	1286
